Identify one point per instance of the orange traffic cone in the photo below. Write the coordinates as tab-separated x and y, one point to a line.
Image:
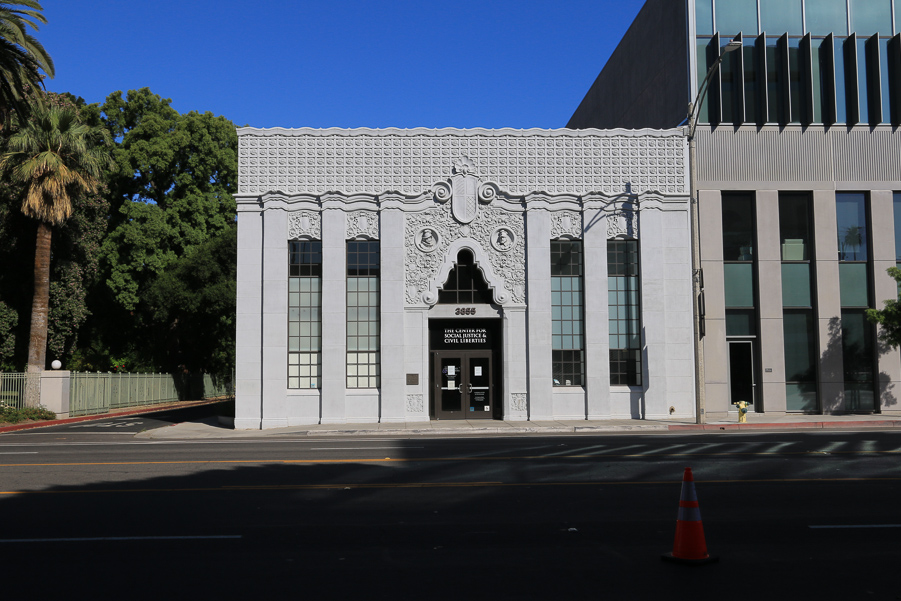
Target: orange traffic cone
689	546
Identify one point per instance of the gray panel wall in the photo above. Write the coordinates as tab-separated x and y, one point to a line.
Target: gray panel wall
799	158
645	83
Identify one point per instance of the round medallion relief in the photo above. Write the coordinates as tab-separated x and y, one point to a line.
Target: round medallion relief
503	239
427	239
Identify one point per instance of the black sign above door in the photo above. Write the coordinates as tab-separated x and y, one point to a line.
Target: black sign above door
463	335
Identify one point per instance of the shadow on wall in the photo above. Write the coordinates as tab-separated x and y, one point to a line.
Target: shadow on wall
856	373
887	398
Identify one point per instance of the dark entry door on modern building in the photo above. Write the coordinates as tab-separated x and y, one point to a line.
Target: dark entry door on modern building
463	385
742	384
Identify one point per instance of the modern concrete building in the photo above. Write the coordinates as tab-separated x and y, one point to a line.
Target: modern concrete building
408	275
797	183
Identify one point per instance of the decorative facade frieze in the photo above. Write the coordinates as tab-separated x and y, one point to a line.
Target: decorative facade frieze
566	224
295	161
362	224
304	224
496	236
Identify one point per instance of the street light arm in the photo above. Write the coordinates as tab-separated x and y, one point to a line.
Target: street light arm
694	107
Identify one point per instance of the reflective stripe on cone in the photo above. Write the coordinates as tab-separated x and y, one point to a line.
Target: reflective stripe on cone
689	545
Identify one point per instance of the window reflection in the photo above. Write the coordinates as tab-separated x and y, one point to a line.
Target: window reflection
870	16
781	16
738	227
736	16
704	17
827	16
851	217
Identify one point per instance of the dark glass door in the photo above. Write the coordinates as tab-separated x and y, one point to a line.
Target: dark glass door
463	385
742	386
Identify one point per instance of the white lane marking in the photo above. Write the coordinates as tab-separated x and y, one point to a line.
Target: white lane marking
858	526
116	538
357	448
19	453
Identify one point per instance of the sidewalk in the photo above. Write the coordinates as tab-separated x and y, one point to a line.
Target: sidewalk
211	428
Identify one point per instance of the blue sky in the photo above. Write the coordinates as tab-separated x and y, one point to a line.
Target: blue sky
341	63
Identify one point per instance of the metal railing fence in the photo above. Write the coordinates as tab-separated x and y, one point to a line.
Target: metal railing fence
17	387
222	388
92	393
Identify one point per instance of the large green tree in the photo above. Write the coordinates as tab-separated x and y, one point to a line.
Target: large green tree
53	156
173	189
22	58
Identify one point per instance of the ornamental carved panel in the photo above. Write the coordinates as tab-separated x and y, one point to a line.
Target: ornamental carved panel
423	262
518	401
304	224
566	224
414	403
362	224
623	223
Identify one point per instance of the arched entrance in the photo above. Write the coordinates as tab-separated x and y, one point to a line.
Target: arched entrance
465	346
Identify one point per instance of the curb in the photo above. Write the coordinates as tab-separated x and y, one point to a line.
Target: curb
85	418
788	426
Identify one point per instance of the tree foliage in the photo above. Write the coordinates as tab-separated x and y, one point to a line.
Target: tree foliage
193	306
172	190
143	270
889	317
53	156
22	57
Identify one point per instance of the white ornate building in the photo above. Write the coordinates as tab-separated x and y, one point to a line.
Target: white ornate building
407	275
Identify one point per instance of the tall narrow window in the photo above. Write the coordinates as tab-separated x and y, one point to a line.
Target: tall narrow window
739	236
798	320
750	55
624	305
567	338
363	265
775	82
304	314
858	335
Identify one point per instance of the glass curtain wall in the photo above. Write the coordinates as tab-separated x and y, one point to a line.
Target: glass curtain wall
567	302
798	297
858	335
804	61
304	314
624	305
363	269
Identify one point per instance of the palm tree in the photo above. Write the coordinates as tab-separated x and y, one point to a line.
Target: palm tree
22	57
53	156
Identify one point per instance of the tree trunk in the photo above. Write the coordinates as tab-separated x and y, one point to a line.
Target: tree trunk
37	341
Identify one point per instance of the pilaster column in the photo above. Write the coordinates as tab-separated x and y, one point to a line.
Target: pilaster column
771	391
391	236
829	308
597	317
334	316
538	275
249	322
275	318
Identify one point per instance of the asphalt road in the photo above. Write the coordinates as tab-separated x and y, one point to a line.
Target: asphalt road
101	514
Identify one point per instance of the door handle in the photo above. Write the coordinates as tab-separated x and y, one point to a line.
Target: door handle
470	389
